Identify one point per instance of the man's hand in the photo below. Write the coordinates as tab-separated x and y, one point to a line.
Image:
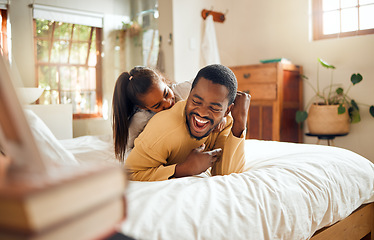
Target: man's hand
197	162
221	125
239	113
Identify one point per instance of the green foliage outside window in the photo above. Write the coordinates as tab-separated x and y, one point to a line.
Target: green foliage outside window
66	64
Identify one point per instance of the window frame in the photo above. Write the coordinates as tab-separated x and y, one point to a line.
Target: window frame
3	33
98	68
318	24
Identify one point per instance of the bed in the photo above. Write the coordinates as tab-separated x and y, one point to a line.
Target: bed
292	191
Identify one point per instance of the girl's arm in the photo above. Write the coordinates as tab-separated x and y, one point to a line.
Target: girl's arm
181	90
137	124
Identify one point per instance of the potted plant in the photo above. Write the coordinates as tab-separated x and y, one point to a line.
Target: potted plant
331	110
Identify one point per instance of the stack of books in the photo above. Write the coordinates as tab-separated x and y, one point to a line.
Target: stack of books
37	202
73	203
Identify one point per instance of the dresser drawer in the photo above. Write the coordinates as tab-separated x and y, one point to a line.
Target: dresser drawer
259	91
257	73
276	95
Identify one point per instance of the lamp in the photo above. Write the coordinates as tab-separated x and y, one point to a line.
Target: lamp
29	95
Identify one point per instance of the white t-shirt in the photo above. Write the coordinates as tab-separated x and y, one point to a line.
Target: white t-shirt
141	116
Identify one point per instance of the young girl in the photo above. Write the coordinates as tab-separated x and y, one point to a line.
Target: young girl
138	95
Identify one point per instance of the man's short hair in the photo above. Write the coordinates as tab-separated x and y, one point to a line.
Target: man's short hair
219	74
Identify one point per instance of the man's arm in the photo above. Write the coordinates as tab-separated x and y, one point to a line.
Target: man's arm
233	142
239	113
144	164
149	164
197	162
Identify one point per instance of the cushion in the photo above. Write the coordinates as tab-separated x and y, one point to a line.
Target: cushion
51	149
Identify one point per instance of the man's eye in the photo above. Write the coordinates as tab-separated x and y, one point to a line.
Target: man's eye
195	102
215	109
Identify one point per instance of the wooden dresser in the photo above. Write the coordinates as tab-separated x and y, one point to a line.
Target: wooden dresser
276	94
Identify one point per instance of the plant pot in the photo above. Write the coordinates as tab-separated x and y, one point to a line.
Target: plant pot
324	119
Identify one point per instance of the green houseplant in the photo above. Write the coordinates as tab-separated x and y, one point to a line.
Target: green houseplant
334	95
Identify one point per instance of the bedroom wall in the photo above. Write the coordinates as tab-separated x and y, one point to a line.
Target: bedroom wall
165	23
114	11
253	30
256	30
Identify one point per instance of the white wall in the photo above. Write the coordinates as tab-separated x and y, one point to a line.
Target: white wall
165	24
253	30
256	30
23	48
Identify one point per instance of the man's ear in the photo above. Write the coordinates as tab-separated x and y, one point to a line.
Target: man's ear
229	109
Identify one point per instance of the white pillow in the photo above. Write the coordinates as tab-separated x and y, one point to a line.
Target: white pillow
51	149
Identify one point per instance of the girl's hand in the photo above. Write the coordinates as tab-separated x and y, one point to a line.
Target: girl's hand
221	126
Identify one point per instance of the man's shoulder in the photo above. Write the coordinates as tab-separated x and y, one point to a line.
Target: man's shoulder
229	119
166	122
170	117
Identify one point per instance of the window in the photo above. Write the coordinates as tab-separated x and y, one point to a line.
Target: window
3	32
68	61
150	42
342	18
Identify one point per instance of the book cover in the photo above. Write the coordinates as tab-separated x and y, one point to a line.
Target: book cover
89	225
35	204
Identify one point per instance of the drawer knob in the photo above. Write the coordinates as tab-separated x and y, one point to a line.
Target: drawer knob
246	75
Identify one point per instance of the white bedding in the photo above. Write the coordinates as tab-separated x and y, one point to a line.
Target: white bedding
291	191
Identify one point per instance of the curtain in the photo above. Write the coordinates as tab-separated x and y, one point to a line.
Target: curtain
3	4
67	15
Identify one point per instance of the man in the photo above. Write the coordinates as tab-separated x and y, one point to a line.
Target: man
173	141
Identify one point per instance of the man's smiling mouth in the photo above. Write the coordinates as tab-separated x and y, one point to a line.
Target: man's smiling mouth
200	124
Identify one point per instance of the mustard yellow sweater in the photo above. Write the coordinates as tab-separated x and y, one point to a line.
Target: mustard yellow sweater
166	141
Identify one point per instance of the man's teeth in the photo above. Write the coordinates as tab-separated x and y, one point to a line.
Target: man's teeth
201	121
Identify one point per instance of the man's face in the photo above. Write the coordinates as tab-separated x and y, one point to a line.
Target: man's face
206	106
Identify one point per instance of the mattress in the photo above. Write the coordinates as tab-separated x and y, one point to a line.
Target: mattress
290	191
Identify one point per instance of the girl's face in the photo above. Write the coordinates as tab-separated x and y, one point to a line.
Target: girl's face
159	97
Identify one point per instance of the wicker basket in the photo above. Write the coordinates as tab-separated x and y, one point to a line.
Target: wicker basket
324	119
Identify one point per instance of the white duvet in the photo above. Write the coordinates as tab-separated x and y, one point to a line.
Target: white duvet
291	191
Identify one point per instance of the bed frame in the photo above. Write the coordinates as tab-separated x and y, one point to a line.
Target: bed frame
358	225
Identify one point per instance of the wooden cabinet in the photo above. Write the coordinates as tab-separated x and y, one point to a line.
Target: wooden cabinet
276	94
